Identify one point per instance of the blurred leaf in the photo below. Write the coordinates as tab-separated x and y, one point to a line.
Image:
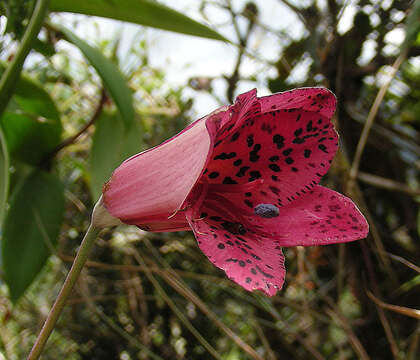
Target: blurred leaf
31	122
110	74
31	229
4	175
412	26
43	47
143	12
111	145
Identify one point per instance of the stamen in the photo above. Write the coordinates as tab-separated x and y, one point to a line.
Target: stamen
176	212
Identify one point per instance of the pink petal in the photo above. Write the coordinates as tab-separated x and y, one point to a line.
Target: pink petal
252	261
320	217
285	139
149	188
315	99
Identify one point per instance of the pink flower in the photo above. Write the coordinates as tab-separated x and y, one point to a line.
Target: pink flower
245	180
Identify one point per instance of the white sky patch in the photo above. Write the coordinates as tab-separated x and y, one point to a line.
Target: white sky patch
346	20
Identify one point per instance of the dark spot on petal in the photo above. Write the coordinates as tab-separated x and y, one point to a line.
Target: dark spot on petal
253	157
264	273
235	136
298	132
225	156
221	246
323	148
237	162
298	141
229	180
213	175
254	175
278	140
250	140
234	228
274	167
307	153
289	160
274	158
242	171
287	152
248	203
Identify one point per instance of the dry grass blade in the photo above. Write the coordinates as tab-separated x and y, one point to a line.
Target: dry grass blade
372	114
178	284
84	291
354	341
189	294
264	340
404	261
172	305
414	313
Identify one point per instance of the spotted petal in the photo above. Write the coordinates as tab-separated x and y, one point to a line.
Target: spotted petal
149	188
286	139
319	217
250	259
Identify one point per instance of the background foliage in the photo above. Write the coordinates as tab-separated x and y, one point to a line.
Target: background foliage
71	120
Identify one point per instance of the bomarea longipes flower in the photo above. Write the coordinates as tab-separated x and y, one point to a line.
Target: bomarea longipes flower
245	180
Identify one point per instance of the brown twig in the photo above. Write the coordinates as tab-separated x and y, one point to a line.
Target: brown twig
354	341
385	323
414	313
70	140
371	116
388	184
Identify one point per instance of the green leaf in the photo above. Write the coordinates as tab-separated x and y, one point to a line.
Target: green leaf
31	122
4	175
31	228
412	24
111	76
143	12
110	146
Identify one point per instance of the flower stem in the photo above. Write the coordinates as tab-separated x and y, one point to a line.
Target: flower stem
65	291
12	73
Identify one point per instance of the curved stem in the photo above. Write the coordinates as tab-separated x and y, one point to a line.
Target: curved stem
65	291
11	75
94	117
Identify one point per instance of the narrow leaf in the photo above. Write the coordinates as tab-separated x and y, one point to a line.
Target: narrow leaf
111	76
143	12
412	23
31	228
111	145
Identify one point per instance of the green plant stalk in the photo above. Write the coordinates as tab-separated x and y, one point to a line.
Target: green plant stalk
100	219
5	180
11	75
65	291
